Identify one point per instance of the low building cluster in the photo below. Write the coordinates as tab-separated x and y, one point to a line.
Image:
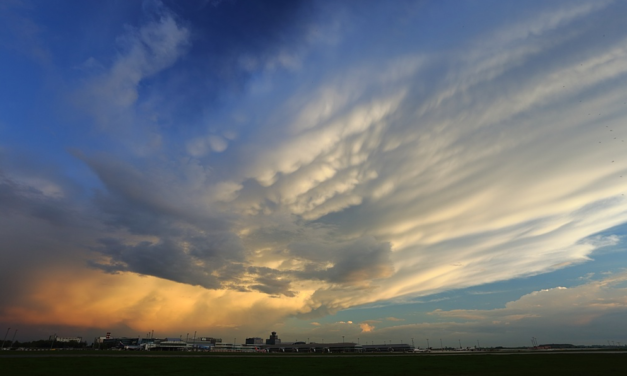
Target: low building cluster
254	344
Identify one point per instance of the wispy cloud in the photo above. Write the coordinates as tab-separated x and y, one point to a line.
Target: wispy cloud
484	292
112	97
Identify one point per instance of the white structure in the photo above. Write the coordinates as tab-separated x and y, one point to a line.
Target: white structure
69	339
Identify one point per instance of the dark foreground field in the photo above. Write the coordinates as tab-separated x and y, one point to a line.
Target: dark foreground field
537	364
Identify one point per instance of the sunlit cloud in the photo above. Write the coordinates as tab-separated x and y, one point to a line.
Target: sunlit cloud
366	328
333	164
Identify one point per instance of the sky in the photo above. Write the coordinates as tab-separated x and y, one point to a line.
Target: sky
367	171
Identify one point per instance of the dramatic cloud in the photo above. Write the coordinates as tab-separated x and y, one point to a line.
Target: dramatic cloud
306	158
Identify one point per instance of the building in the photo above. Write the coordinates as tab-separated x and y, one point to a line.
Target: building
273	340
312	347
112	342
230	347
204	343
69	339
389	347
210	340
171	344
254	341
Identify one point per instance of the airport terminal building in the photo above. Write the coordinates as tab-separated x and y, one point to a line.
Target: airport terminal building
253	344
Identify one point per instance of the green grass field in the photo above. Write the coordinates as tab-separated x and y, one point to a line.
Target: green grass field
286	365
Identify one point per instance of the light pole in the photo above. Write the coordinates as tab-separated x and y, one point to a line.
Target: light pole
12	339
460	343
428	344
342	339
5	337
412	342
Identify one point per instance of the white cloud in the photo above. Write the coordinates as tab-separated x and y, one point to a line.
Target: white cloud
470	184
111	96
477	170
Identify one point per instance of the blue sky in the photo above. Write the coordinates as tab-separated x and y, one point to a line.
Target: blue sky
373	170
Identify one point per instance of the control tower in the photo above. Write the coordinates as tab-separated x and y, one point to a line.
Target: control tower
273	340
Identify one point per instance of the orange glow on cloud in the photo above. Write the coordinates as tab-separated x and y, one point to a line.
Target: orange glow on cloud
143	304
366	328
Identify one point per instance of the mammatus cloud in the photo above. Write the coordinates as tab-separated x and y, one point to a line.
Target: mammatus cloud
478	179
340	176
378	188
